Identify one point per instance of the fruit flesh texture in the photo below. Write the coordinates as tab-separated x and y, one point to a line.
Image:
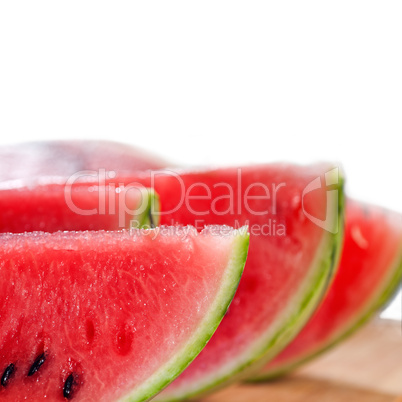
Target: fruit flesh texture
66	158
108	308
371	264
51	208
289	271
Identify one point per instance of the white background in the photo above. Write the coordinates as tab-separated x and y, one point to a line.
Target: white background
213	82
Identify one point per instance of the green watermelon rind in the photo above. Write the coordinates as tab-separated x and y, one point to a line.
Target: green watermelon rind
391	286
150	217
326	262
174	367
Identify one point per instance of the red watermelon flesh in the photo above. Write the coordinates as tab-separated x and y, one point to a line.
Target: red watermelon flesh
66	158
290	263
53	208
370	271
99	316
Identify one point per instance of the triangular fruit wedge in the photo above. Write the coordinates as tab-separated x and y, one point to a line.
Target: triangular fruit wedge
102	316
28	208
67	158
296	228
369	273
295	220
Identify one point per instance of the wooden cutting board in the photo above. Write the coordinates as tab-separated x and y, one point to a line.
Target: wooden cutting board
367	368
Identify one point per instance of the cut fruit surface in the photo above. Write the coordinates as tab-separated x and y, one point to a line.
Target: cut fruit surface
54	207
290	263
369	273
100	316
295	216
66	158
296	224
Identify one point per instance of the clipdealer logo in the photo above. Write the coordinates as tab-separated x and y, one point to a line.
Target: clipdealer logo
331	221
220	198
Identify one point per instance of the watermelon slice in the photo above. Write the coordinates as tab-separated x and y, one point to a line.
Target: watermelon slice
66	158
52	208
99	316
369	273
290	263
296	225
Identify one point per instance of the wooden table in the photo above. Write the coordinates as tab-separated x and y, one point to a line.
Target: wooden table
367	367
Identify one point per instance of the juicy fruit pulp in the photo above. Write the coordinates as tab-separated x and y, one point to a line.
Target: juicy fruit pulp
290	263
97	316
369	272
66	158
285	274
53	208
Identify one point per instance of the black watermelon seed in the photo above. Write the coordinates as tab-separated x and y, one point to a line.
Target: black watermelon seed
37	364
8	372
68	387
